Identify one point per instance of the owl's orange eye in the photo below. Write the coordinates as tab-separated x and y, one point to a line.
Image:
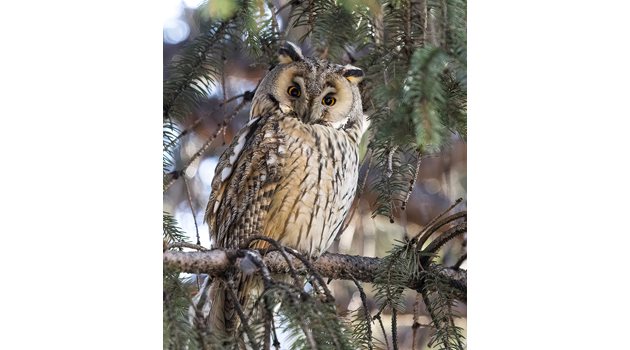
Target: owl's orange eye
294	90
328	100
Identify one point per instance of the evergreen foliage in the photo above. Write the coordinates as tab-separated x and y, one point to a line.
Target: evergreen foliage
440	297
414	92
177	333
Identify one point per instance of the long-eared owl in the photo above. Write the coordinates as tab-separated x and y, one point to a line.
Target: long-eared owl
291	173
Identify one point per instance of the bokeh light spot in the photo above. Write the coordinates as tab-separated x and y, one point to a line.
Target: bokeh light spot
193	4
175	31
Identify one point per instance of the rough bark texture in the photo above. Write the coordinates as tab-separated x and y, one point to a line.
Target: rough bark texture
329	265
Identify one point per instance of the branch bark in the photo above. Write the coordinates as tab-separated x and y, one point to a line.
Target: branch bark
330	265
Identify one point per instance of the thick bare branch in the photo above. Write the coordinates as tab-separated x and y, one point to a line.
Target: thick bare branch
336	266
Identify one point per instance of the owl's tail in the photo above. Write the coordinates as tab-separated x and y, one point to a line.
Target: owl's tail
216	318
223	319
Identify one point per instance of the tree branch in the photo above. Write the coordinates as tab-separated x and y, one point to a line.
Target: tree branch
330	265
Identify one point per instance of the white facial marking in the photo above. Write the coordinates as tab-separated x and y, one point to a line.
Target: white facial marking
285	108
295	48
339	124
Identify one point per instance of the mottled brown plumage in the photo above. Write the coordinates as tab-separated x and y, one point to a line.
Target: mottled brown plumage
291	173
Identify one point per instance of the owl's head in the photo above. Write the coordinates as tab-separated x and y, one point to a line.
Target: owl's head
313	90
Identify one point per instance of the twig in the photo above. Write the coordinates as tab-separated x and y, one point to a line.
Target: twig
366	311
176	174
241	314
380	310
226	101
293	300
445	27
247	96
423	22
408	47
274	18
451	233
415	325
290	24
455	278
223	87
276	342
309	334
311	18
279	248
313	272
187	245
192	209
292	2
427	303
390	162
459	200
436	226
388	174
412	182
269	315
394	329
183	133
380	321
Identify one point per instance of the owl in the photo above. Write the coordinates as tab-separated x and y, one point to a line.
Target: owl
291	172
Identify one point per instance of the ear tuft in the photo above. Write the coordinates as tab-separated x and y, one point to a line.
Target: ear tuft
352	73
289	52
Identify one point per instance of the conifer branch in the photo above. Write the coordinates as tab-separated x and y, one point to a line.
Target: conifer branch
241	314
184	132
415	324
434	225
380	321
247	96
191	67
279	248
412	181
196	316
446	236
366	313
186	245
176	174
311	270
330	265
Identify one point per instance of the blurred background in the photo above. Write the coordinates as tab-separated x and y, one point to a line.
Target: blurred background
440	181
